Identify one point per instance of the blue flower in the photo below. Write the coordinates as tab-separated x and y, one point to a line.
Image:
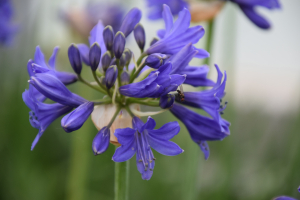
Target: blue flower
178	34
284	198
157	84
39	59
248	7
201	128
156	7
140	138
7	28
54	89
42	114
208	100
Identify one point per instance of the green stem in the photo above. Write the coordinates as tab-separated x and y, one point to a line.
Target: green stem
121	180
137	73
138	64
97	80
114	117
103	101
90	85
129	111
209	41
143	102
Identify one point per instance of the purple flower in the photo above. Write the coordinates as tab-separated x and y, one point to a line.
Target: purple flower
39	59
140	138
208	100
7	28
54	89
178	34
156	7
131	19
248	7
157	84
101	141
75	119
284	198
42	114
201	128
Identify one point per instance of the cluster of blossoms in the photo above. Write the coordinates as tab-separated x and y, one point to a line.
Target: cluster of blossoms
247	6
7	28
153	80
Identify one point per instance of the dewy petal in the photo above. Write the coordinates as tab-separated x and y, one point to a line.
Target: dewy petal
54	89
101	141
75	119
166	132
204	148
130	20
125	152
165	147
255	17
52	59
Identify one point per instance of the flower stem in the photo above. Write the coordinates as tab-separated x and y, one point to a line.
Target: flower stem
121	180
90	85
136	73
209	41
97	80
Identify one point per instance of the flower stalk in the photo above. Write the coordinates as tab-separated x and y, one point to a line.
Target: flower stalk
121	180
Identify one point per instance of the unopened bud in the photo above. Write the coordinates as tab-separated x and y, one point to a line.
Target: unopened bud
125	77
139	35
154	40
108	37
106	60
75	59
119	44
155	60
95	56
111	76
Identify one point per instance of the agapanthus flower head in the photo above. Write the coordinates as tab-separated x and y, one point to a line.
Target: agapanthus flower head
7	28
156	7
248	7
140	138
155	78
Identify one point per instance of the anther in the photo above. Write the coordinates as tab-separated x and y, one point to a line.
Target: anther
140	160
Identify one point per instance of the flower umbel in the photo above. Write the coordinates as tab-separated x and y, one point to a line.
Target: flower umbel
155	79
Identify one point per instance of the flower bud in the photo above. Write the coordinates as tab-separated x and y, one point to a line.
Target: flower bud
94	56
130	20
125	77
128	54
166	101
122	62
101	141
75	59
75	119
106	60
139	35
108	37
154	40
155	60
119	44
111	76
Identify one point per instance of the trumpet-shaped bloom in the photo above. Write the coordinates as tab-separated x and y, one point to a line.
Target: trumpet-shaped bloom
39	59
156	7
208	100
140	138
54	89
201	128
42	114
248	7
75	119
157	84
177	34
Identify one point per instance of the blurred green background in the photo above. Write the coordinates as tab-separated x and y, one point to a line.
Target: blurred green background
259	160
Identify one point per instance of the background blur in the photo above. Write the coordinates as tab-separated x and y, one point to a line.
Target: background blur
260	160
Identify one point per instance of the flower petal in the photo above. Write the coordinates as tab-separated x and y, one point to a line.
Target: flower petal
165	147
125	152
166	132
